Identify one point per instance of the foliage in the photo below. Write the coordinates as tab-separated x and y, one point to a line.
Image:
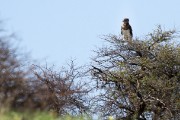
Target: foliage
140	79
15	115
32	87
12	72
62	91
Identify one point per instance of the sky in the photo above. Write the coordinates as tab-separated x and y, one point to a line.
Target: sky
57	31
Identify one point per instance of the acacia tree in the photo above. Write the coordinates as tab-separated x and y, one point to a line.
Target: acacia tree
140	80
16	78
65	92
34	87
12	74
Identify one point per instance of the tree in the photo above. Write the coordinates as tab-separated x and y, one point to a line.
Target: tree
12	72
64	92
140	80
32	87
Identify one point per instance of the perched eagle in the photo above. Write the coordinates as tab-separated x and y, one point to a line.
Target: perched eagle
126	30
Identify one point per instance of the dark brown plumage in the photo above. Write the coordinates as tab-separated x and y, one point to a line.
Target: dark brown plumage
126	26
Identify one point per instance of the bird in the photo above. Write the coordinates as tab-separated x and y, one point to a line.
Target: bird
126	30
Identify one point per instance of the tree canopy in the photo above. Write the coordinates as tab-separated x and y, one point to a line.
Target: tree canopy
140	79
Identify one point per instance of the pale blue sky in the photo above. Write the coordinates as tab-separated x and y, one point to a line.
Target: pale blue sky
59	30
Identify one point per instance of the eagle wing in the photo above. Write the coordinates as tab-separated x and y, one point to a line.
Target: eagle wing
127	28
